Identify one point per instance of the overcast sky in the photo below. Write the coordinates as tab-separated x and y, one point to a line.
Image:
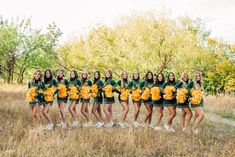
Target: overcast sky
75	17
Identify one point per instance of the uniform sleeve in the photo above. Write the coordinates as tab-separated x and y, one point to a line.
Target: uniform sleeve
119	83
29	84
142	83
101	83
179	84
164	85
113	83
55	83
89	83
43	86
66	82
190	85
130	84
79	82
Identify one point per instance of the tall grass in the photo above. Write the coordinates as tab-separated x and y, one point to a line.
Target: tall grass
17	137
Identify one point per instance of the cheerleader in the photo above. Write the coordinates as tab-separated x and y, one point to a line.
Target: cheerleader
108	90
35	96
196	100
157	97
85	97
74	86
170	100
183	102
146	86
62	96
96	90
50	84
123	97
134	85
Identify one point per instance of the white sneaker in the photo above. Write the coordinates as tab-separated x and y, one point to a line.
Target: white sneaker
50	126
110	124
184	129
171	129
196	131
151	126
59	124
136	124
166	126
74	124
86	125
158	128
96	124
64	125
100	125
122	124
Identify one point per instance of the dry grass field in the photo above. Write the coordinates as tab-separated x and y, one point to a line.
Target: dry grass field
17	138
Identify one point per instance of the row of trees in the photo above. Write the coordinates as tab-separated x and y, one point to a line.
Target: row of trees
24	48
138	42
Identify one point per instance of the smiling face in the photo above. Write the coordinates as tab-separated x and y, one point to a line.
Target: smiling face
107	74
198	77
84	75
72	75
160	77
37	75
48	74
185	77
135	75
61	74
124	75
150	76
171	77
96	75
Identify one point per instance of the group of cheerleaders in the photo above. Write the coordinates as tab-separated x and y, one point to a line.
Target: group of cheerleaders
153	91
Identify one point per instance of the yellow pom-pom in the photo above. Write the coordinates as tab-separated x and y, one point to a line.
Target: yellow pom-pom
49	94
31	95
73	93
62	91
168	92
146	94
108	91
125	94
196	96
156	93
85	92
136	94
181	95
94	90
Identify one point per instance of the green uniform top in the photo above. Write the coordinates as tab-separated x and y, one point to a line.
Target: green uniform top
86	83
75	82
181	84
38	85
110	82
168	84
123	85
146	84
51	83
100	84
134	84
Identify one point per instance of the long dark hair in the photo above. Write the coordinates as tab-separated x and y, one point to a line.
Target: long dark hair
96	79
168	77
146	76
47	79
156	79
133	75
110	77
75	73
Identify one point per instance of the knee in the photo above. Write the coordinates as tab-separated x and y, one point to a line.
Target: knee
93	111
44	112
201	115
160	115
190	114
